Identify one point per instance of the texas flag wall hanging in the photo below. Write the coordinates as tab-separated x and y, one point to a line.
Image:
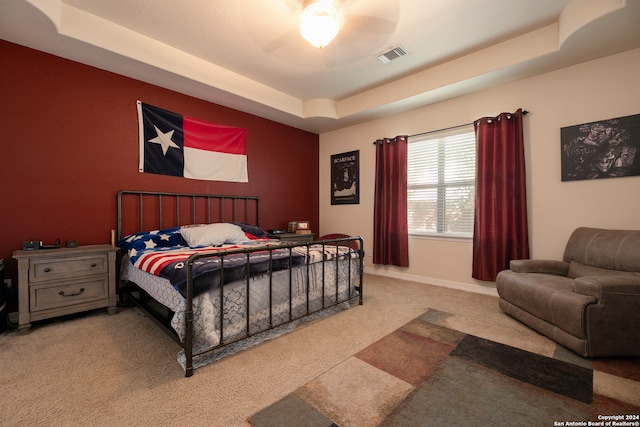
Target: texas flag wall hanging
172	144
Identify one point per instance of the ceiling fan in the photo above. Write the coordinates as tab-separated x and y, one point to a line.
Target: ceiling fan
359	25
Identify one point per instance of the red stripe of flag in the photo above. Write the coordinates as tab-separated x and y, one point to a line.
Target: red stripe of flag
154	262
214	137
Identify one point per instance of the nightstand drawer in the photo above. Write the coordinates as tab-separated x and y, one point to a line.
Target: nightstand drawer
62	294
60	268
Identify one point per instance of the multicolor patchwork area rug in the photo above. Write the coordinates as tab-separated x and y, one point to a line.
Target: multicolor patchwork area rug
425	374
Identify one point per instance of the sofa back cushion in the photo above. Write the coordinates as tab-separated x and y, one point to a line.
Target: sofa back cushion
577	269
605	249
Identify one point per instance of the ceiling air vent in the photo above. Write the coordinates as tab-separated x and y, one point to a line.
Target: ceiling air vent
392	54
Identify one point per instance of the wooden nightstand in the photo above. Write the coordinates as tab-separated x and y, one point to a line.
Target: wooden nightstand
55	282
293	237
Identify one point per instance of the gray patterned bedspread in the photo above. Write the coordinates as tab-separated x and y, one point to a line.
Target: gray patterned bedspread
312	286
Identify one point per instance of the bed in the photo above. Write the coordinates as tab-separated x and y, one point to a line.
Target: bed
205	271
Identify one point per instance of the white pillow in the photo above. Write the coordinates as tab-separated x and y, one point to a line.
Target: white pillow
213	234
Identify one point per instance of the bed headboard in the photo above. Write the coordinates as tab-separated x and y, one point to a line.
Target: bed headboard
151	210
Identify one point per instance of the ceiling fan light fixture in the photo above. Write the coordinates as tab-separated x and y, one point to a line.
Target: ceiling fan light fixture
320	22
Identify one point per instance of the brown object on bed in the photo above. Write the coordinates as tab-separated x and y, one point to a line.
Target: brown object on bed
339	238
319	277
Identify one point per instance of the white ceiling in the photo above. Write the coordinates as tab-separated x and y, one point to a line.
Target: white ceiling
249	55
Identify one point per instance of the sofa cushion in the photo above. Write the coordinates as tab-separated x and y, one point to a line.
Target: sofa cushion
610	249
558	268
546	296
577	269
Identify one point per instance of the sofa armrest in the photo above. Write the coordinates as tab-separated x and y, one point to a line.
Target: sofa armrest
612	324
544	266
599	286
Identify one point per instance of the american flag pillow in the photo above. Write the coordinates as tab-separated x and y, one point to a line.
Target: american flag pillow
167	237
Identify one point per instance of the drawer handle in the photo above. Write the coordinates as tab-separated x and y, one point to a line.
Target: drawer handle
93	264
46	270
71	295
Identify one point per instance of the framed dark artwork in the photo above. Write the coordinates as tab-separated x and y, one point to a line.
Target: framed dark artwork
602	149
345	178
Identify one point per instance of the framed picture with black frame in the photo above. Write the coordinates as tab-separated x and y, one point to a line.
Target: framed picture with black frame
345	178
602	149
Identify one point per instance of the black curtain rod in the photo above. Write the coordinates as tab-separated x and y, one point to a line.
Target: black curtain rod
524	113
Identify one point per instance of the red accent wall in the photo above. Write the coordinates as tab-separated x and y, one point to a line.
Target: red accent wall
69	143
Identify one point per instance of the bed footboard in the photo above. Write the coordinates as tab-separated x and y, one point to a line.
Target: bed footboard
338	262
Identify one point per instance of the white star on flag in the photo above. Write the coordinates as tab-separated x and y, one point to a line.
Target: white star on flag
150	244
164	139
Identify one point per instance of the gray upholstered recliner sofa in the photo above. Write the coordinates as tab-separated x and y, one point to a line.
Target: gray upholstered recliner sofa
589	302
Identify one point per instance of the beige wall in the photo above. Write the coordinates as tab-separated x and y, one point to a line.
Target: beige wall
600	89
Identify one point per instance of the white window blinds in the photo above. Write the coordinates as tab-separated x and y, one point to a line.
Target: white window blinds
441	182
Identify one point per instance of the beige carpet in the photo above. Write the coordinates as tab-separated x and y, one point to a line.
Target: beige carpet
97	370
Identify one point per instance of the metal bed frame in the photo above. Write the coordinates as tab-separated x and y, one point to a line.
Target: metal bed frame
166	211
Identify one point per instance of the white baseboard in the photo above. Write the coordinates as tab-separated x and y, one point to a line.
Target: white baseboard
468	287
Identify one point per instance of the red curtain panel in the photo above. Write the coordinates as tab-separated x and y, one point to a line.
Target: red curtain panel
391	231
500	225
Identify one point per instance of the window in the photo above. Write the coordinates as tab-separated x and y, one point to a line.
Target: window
442	182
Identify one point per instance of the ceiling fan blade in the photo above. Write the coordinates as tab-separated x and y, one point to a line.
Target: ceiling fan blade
294	5
329	55
281	41
369	24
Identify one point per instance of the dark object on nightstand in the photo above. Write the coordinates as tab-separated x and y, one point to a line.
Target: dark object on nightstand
56	245
31	245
